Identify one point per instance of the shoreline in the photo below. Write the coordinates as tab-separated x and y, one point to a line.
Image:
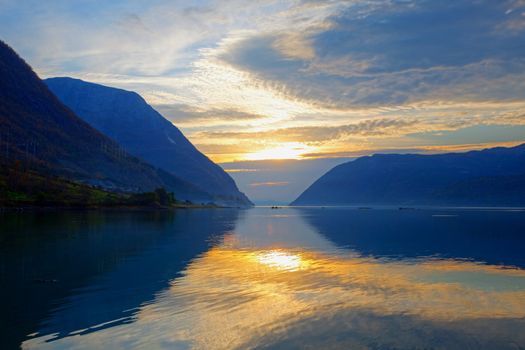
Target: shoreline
407	207
22	209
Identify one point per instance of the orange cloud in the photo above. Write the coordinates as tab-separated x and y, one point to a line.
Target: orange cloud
269	184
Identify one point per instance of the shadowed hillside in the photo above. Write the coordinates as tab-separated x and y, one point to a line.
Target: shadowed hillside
127	118
38	132
491	177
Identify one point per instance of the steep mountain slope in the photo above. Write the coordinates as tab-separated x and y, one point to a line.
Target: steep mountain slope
127	118
489	177
37	131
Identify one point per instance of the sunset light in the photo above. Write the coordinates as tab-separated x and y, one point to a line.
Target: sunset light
292	174
281	260
293	150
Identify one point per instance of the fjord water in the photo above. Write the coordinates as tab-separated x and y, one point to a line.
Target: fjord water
264	278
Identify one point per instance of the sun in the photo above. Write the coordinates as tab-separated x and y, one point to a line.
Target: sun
291	150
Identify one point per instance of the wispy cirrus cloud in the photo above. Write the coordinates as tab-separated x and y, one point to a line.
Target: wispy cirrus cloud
188	116
382	127
314	134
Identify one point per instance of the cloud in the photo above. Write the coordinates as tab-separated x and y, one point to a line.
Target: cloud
380	127
269	184
400	53
241	170
189	116
294	46
324	77
373	127
125	37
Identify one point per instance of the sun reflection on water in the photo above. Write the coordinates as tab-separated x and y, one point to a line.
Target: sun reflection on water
231	298
281	260
247	293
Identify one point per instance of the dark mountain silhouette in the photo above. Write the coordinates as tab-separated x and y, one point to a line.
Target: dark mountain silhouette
491	177
142	131
38	132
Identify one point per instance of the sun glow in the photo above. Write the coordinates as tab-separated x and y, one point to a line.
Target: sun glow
281	260
292	150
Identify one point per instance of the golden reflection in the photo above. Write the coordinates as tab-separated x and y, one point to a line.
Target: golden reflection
281	260
431	289
233	298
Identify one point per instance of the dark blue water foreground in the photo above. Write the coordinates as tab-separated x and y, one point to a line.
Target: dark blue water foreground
263	278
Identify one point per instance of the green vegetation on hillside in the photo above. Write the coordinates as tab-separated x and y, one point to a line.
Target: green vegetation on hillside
27	188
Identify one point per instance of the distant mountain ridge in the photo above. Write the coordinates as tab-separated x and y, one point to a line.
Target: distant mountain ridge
490	177
125	117
38	131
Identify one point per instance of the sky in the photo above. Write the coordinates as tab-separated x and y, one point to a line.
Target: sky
319	82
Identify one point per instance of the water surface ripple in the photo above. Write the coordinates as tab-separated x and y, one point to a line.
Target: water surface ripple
264	278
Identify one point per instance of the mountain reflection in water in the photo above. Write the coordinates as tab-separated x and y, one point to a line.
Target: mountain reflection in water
305	278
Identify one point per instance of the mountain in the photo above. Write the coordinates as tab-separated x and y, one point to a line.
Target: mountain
491	177
142	131
38	132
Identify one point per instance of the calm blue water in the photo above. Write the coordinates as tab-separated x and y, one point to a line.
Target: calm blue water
262	278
